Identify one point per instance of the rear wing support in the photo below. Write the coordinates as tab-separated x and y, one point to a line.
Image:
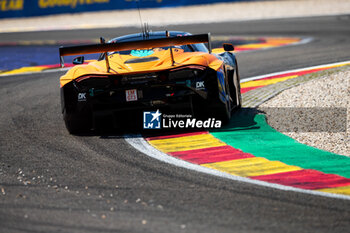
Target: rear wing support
209	42
131	45
103	41
61	61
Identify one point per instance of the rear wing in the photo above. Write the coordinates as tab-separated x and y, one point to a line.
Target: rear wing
140	44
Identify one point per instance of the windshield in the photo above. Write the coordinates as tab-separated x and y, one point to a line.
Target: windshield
148	52
156	35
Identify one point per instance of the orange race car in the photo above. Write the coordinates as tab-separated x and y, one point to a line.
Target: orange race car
148	70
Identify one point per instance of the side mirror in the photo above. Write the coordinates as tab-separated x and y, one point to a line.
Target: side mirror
78	60
228	47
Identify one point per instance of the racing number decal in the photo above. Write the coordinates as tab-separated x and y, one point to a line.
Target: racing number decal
131	95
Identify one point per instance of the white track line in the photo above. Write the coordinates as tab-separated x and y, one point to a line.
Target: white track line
295	70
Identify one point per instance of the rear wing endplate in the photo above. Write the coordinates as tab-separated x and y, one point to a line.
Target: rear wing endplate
140	44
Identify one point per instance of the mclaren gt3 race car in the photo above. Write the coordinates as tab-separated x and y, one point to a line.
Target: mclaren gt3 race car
148	71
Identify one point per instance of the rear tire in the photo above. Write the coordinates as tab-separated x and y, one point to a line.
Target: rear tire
238	88
197	107
223	112
224	109
77	123
235	88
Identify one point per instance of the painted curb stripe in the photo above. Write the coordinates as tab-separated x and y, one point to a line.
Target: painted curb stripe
236	162
254	84
211	155
140	144
186	143
176	135
31	69
246	89
254	166
306	179
339	190
337	64
264	81
261	140
264	44
299	73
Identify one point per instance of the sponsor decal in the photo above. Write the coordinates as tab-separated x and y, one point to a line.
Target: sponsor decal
82	97
131	95
29	8
70	3
11	5
200	85
157	120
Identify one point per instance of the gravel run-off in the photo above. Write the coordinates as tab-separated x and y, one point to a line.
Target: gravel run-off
316	113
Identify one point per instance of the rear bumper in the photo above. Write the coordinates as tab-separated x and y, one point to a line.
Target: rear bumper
115	100
143	97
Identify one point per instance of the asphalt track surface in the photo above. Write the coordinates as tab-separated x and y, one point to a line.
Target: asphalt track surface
100	183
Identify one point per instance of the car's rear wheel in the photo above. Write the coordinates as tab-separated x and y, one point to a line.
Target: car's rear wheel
78	123
197	107
237	88
223	110
215	106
